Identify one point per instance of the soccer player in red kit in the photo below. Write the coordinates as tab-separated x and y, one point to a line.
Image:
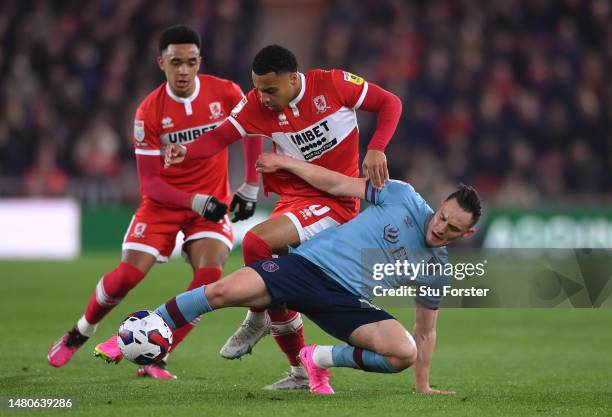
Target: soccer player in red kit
192	197
310	117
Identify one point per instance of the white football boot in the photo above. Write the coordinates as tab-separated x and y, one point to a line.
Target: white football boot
246	337
296	379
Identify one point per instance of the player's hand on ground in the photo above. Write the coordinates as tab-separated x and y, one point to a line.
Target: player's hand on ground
208	207
174	154
244	202
375	168
432	391
269	162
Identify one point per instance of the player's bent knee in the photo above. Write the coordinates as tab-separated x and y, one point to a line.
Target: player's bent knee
404	356
218	294
400	363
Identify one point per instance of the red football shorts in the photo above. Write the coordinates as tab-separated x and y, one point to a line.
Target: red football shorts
153	230
313	215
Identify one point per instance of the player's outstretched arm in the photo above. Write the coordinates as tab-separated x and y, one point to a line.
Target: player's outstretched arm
211	143
389	109
324	179
425	338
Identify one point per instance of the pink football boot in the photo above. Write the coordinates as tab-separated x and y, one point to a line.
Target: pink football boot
157	371
319	377
64	348
109	350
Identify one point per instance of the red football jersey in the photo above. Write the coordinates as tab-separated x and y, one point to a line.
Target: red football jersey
319	126
163	118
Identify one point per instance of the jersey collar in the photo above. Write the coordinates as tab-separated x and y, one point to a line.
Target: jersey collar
185	100
293	103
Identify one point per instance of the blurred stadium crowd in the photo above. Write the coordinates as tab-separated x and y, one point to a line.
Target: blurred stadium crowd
514	97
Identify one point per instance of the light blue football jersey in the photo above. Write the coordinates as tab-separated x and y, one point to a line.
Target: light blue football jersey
392	229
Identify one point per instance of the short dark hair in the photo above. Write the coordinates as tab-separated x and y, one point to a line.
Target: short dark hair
468	200
274	58
178	34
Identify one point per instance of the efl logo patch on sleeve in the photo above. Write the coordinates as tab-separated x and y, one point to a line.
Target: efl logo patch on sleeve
352	78
139	131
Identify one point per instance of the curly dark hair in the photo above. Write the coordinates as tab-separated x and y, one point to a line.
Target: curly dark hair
274	58
178	34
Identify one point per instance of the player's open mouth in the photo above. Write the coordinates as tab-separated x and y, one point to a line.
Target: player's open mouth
182	83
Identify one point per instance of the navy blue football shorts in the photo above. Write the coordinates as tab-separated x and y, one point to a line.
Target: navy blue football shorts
297	284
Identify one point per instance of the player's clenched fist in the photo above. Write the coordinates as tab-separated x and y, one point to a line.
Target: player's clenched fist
174	154
208	207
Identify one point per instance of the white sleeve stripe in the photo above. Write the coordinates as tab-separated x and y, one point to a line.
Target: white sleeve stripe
362	96
147	152
237	125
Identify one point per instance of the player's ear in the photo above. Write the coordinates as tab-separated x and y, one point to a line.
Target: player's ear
293	78
470	232
160	62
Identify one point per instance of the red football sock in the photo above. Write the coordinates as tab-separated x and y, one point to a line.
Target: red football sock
254	249
110	291
287	327
288	331
202	276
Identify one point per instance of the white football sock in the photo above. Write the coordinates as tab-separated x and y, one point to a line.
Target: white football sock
258	318
85	328
322	356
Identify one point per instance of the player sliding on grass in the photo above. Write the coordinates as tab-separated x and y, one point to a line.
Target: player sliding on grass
326	277
192	197
312	117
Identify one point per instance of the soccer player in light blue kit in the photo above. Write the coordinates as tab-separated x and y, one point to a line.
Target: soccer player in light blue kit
330	277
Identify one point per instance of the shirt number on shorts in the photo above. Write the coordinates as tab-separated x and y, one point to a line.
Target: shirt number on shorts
314	210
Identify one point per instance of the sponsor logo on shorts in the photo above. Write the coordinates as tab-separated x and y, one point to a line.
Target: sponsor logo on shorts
139	230
270	266
314	210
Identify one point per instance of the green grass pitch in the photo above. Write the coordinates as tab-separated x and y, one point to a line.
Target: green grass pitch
510	362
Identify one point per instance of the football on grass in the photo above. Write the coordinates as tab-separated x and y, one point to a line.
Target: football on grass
144	338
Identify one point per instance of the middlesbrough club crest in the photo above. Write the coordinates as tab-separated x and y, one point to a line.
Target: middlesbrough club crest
215	110
139	230
321	104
